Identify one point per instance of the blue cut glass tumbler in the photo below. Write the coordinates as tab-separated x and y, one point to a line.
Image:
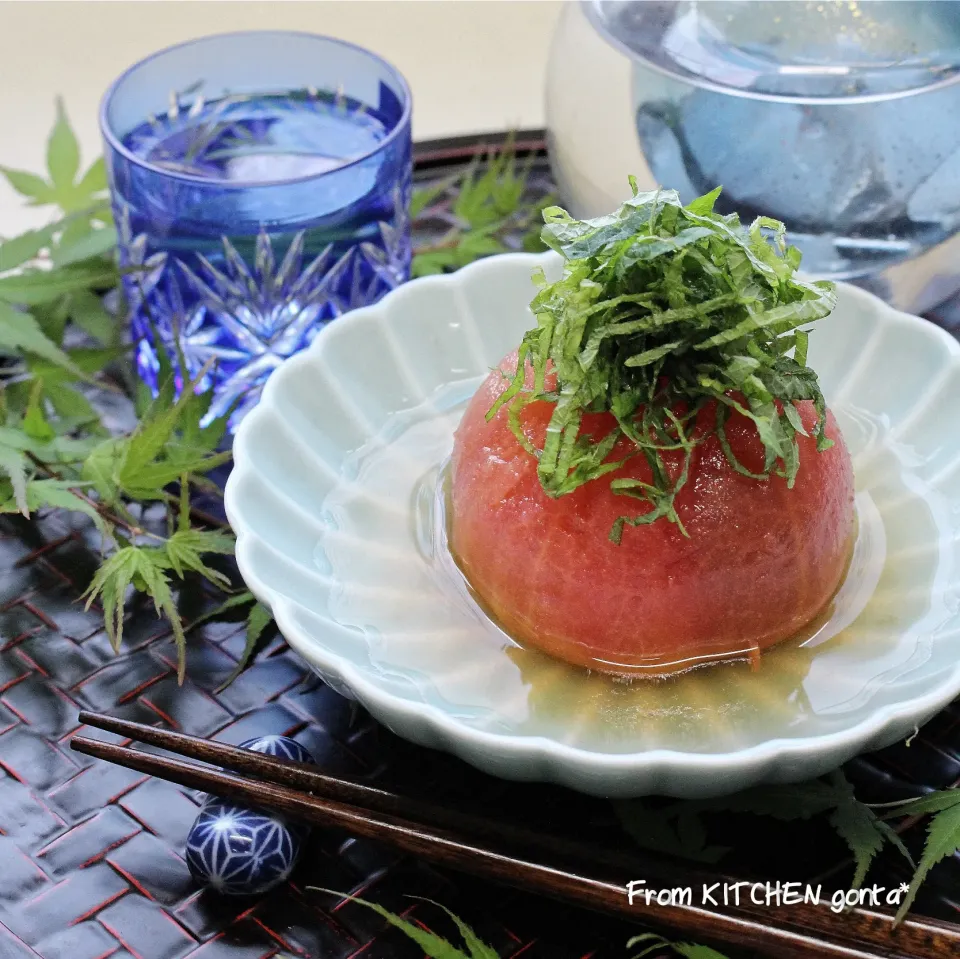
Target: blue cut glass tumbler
260	185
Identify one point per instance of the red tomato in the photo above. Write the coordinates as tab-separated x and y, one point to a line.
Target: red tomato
760	563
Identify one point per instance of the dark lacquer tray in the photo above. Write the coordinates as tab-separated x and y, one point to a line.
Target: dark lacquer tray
91	856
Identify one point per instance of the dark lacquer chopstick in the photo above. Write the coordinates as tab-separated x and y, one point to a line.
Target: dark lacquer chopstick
283	772
304	778
855	935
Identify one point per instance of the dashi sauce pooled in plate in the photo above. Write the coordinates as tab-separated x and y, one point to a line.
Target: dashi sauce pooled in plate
652	481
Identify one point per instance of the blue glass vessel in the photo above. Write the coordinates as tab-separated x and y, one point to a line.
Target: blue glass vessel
260	184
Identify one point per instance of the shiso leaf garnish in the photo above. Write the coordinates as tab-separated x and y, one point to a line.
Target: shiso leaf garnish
662	309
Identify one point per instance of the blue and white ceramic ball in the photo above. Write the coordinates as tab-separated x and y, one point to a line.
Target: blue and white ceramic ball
244	852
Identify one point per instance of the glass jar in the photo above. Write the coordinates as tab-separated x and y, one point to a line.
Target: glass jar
839	118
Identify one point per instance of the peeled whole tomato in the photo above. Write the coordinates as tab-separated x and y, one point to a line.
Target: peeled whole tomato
760	563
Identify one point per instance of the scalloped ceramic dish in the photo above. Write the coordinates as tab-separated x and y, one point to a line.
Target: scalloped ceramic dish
340	532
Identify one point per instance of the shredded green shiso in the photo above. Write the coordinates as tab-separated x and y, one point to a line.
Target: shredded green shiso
661	309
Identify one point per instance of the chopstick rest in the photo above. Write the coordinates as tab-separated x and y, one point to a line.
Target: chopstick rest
240	851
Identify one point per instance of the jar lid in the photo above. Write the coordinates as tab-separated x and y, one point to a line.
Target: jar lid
794	49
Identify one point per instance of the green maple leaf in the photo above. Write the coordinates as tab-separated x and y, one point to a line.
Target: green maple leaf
423	197
21	249
58	494
676	831
35	423
185	548
920	805
63	165
167	444
35	188
258	619
943	840
434	263
146	481
156	428
88	243
94	181
74	412
487	208
87	311
195	439
688	950
434	946
20	333
63	151
144	568
861	829
101	466
14	466
478	948
35	287
78	236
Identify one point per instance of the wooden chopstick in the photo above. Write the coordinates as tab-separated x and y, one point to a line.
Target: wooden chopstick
303	778
856	934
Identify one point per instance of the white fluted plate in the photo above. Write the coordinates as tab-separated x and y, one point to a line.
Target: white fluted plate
333	501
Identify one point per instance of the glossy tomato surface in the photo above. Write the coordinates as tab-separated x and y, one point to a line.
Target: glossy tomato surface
760	563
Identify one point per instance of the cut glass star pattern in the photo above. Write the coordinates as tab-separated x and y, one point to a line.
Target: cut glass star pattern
245	315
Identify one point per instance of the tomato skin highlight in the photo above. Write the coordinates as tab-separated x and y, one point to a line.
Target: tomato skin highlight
761	561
